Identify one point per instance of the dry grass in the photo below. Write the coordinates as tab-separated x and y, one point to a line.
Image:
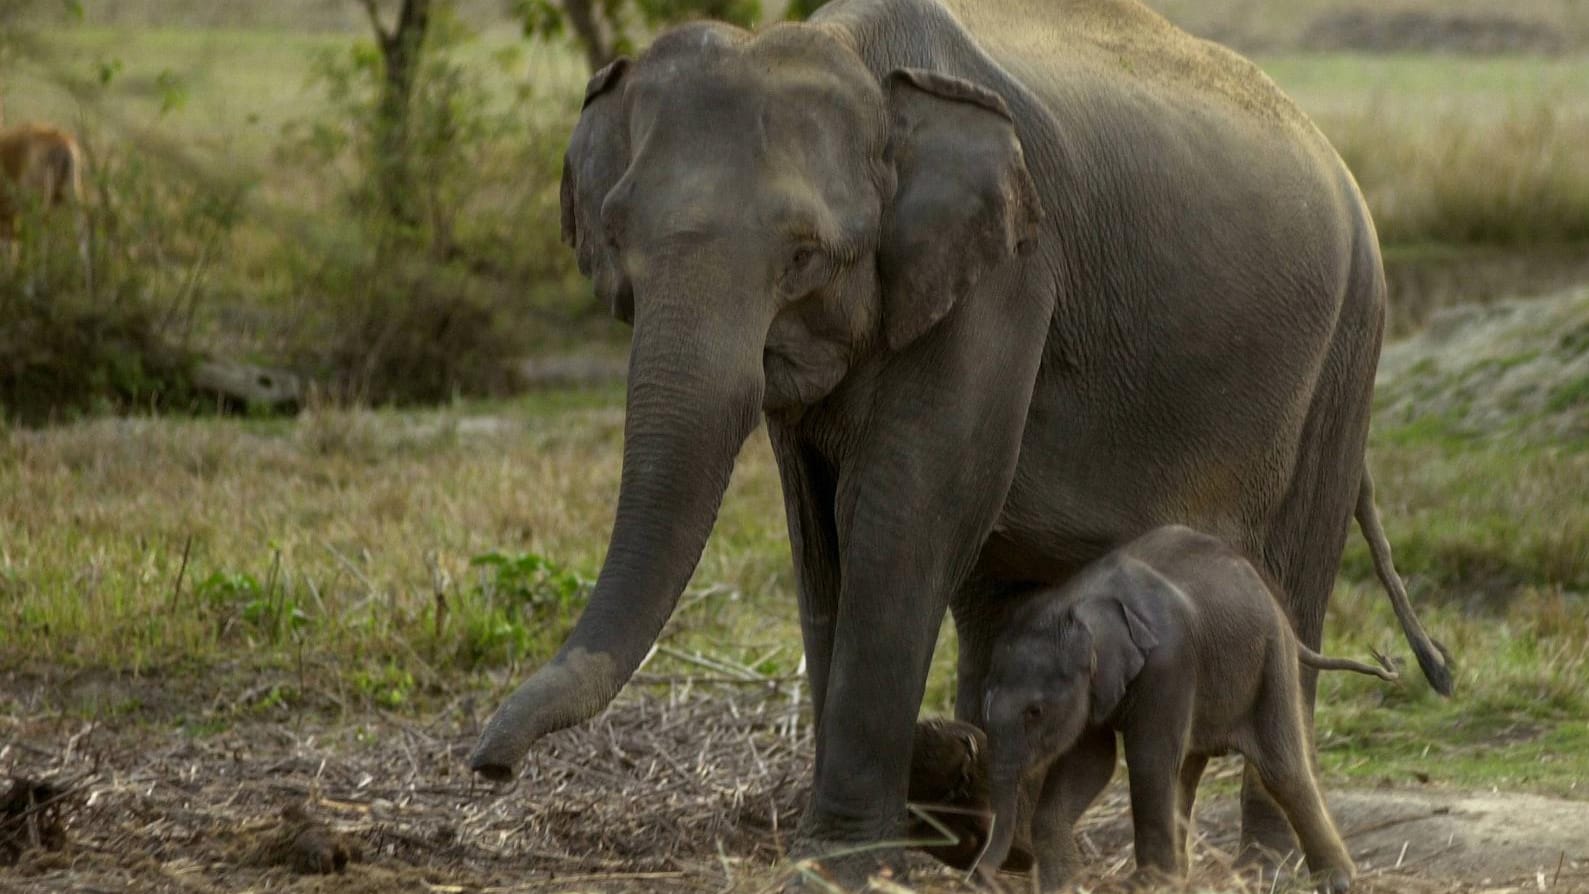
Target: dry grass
1517	180
358	529
1258	26
681	787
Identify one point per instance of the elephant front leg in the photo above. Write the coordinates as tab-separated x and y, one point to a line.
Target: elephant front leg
911	527
890	609
1073	783
1155	742
808	492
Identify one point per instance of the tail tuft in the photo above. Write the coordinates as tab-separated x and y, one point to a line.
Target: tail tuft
1436	668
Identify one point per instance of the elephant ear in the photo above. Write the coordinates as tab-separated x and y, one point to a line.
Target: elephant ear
1122	638
598	155
964	202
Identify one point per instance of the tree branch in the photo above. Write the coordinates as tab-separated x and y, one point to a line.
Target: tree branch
414	18
381	34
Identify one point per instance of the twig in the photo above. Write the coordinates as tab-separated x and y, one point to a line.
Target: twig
720	665
375	20
182	570
1386	824
678	679
601	877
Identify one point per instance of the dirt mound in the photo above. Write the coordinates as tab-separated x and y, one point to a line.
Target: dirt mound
305	844
1513	369
30	818
1422	31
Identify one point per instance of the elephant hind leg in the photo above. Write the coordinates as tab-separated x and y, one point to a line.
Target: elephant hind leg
1307	534
1282	756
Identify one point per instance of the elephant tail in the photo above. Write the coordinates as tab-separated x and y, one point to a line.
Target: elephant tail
1323	662
1432	655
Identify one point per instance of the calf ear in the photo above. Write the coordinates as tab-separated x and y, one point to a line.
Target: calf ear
598	155
1122	639
964	201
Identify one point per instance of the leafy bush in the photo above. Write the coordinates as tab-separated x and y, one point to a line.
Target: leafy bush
423	298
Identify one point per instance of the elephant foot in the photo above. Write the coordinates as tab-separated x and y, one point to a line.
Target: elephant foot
1334	881
834	866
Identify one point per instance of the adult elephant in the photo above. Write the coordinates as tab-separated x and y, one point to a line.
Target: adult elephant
1012	282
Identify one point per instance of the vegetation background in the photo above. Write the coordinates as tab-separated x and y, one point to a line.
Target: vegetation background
425	523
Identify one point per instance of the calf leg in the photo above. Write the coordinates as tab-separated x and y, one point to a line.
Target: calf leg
1191	774
1155	741
1282	761
1072	784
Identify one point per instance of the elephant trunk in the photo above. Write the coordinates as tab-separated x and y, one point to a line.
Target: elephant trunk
694	395
1005	792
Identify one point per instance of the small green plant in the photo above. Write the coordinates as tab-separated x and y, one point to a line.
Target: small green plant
388	686
262	608
520	606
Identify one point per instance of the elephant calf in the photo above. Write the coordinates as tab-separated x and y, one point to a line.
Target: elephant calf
1176	642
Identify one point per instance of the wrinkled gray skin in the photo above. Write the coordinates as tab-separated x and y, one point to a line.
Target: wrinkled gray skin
1011	283
1175	642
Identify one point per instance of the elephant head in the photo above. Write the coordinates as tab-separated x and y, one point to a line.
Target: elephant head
767	214
1059	671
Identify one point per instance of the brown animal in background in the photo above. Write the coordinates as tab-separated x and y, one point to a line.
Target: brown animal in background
40	165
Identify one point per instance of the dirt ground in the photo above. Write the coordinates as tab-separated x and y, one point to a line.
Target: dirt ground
681	786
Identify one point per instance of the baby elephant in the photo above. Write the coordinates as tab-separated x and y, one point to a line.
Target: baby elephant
1175	642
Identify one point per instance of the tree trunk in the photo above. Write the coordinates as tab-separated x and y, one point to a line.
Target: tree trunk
582	18
401	51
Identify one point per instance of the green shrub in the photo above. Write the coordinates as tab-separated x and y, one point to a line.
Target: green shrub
429	303
520	608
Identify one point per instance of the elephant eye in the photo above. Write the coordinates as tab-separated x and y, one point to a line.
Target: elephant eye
1033	713
804	270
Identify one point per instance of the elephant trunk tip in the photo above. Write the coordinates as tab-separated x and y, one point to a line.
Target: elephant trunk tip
573	687
489	768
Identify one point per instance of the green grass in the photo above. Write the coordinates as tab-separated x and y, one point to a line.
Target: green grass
321	549
1516	720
